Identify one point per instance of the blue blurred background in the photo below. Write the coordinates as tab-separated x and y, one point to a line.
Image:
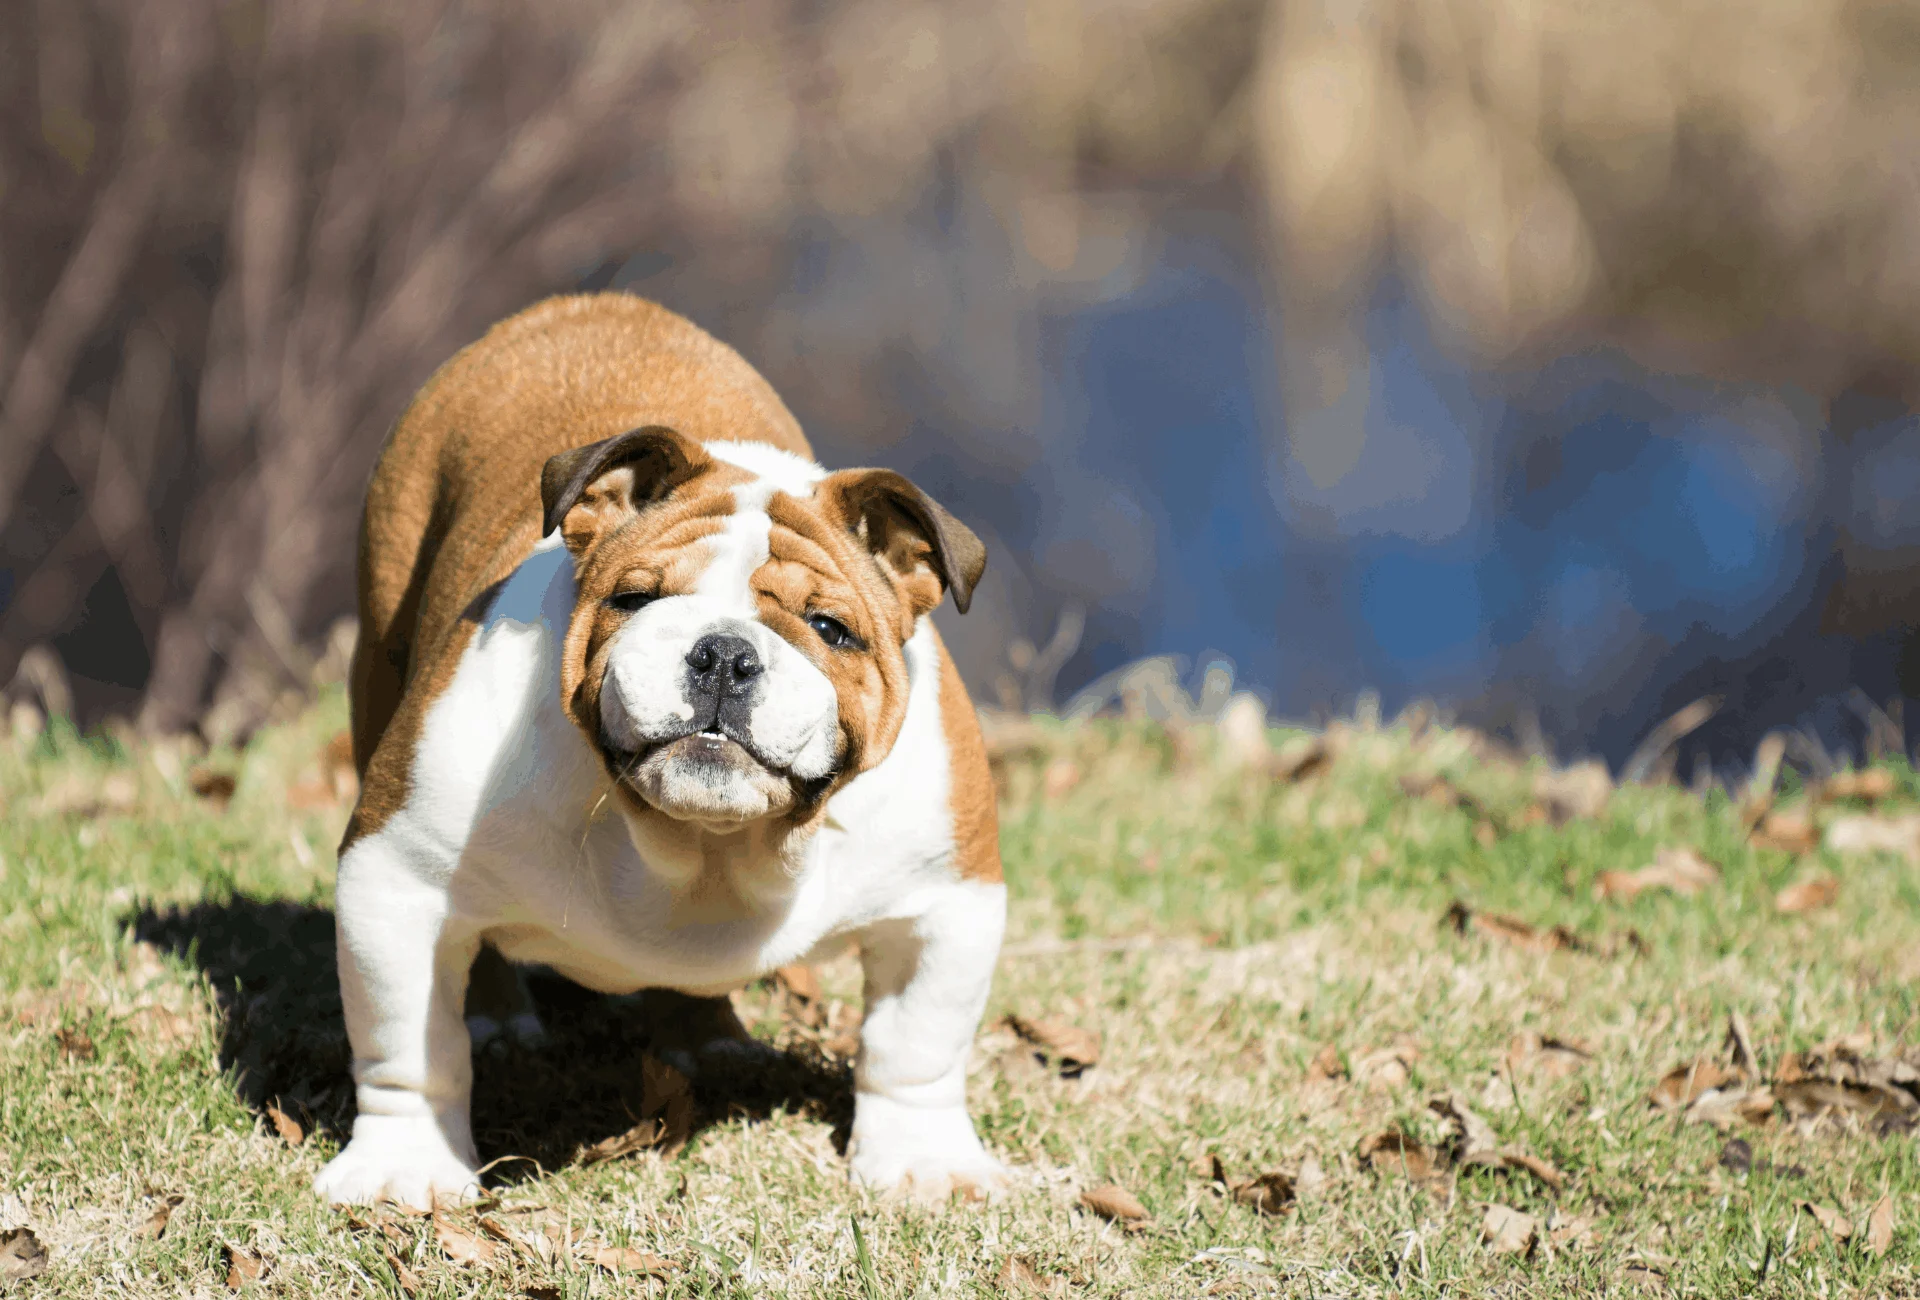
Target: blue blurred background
1555	363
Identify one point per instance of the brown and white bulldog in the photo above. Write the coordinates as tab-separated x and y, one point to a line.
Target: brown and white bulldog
644	694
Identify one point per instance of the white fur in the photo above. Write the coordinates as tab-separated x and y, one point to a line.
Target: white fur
497	841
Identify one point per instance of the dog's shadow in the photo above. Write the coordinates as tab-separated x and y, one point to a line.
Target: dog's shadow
283	1043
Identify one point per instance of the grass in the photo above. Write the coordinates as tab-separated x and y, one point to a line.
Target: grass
166	975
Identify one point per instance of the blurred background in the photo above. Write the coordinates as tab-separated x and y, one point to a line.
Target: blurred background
1554	361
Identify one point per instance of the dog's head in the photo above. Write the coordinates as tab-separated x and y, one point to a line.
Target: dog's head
737	647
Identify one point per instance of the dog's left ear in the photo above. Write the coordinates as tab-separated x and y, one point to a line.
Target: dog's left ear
588	490
910	533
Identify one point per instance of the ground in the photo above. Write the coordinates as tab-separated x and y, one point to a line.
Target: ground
1265	950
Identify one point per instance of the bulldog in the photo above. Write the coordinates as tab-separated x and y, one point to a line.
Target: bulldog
645	695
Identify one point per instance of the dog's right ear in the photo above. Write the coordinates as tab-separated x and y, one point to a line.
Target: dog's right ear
588	490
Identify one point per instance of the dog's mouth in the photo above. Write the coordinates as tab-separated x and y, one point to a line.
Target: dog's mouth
711	774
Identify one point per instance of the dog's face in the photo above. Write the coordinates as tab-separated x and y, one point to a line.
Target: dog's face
736	649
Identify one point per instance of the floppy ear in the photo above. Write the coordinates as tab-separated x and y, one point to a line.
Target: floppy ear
910	533
585	491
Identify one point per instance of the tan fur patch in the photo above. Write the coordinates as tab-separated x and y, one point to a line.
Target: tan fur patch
454	505
976	816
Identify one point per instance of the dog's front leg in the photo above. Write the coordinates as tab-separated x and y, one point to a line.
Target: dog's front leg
926	986
403	977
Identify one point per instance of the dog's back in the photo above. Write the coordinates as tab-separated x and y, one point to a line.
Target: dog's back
460	474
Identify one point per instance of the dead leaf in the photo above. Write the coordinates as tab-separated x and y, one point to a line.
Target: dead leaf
286	1125
1681	870
1683	1084
1556	1058
1511	930
542	1291
1071	1048
1115	1203
1541	1169
462	1247
1875	833
409	1280
1880	1227
1644	1276
1832	1220
1387	1068
625	1259
1270	1194
1508	1231
1786	832
1806	895
1569	1231
213	785
242	1268
1870	784
1061	776
1326	1065
801	990
74	1043
1740	1045
1019	1274
1473	1137
1394	1152
1812	1100
22	1257
1311	1178
155	1226
1579	792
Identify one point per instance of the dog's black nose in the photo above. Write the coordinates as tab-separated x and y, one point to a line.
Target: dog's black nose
723	664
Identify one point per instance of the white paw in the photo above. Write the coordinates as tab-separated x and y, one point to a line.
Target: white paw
398	1158
926	1153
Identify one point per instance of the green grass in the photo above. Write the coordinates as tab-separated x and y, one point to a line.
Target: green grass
166	971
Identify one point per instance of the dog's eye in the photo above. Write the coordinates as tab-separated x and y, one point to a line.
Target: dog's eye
832	631
627	602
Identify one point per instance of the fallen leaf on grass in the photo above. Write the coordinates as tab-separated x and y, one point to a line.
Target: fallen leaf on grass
1874	833
1880	1227
1326	1065
1270	1194
1644	1276
1577	792
1541	1169
242	1268
1683	1084
1387	1068
1870	784
1810	1101
155	1226
286	1125
1740	1045
1681	870
1737	1156
1475	1143
1806	895
409	1280
1020	1275
213	785
1836	1224
1556	1058
625	1259
1786	832
1511	930
542	1291
74	1043
1721	1107
1508	1231
462	1247
22	1257
1395	1152
1071	1048
1569	1231
1115	1203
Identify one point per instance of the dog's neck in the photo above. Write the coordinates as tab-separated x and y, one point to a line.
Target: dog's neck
722	873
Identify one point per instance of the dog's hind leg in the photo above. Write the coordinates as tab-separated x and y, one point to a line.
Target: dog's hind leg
500	1007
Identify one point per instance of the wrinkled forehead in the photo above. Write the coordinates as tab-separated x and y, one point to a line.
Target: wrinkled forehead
714	532
738	549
